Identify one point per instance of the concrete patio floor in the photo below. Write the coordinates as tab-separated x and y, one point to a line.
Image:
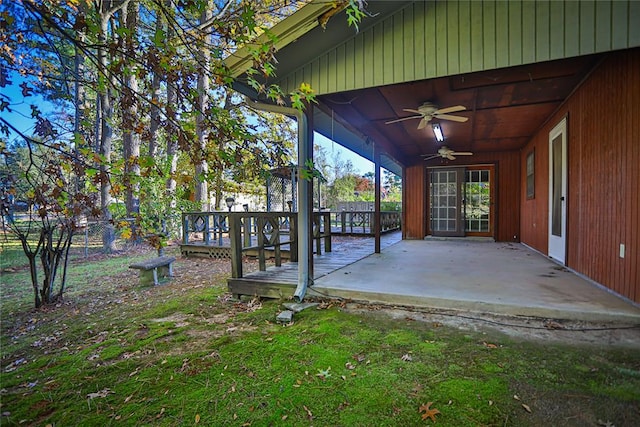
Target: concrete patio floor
479	276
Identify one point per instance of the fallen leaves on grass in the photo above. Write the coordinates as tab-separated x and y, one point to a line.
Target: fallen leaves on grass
489	345
309	414
429	412
102	393
14	365
324	374
407	357
525	406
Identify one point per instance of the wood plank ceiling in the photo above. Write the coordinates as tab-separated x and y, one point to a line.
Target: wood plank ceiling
504	106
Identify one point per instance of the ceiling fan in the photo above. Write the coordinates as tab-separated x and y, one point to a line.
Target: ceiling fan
428	111
447	153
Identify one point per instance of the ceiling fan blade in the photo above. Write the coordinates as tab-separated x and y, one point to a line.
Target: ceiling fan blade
409	110
462	153
450	109
431	156
449	156
450	117
402	119
423	122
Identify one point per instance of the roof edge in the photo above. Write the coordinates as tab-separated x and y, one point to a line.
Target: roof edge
286	31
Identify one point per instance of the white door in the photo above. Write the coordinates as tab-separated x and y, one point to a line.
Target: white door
558	191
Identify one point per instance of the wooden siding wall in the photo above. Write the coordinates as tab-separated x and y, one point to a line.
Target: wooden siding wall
507	208
603	178
439	38
415	209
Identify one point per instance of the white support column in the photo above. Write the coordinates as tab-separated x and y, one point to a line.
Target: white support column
305	140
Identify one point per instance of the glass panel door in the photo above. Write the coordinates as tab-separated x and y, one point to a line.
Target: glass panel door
556	186
558	192
477	206
445	191
461	201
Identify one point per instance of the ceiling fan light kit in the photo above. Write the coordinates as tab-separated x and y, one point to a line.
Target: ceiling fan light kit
437	131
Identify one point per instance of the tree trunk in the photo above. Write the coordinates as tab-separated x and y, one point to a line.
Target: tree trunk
156	80
202	133
106	139
154	120
33	268
79	95
172	138
130	136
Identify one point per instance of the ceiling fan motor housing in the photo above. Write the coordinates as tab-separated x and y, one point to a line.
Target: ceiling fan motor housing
427	109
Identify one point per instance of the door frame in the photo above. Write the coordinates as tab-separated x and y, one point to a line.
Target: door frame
557	243
461	189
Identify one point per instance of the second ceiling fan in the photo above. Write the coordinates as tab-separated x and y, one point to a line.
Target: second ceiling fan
428	111
446	153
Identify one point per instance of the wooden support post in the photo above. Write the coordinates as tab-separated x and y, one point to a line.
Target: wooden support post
206	230
376	219
185	229
293	237
317	233
246	226
275	237
327	232
262	264
236	247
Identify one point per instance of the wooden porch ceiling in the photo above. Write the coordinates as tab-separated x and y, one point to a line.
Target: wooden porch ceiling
505	107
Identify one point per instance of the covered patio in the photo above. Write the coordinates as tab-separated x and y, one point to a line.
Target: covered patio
536	108
501	278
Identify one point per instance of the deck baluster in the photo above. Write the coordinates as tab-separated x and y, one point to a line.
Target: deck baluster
236	246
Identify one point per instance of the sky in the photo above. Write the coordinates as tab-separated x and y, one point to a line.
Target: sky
20	117
20	114
360	164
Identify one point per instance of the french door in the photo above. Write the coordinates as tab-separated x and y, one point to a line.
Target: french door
461	201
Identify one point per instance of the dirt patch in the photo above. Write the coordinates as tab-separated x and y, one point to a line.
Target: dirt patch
559	408
178	319
520	327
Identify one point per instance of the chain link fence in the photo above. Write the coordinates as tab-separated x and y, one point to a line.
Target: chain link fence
86	242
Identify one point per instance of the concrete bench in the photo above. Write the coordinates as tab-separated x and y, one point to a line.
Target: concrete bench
152	269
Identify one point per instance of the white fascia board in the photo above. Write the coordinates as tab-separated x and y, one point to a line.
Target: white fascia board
286	31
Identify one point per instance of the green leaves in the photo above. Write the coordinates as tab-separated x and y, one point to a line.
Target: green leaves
309	172
304	93
354	14
159	38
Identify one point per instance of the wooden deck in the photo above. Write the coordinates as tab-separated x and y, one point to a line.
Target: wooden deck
280	282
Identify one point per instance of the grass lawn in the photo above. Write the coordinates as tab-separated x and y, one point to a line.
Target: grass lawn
184	353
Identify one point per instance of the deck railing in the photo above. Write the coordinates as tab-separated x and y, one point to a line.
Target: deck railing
208	228
263	234
259	232
362	222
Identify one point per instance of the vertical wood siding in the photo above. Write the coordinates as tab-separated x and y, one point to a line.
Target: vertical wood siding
439	38
507	195
603	177
414	187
